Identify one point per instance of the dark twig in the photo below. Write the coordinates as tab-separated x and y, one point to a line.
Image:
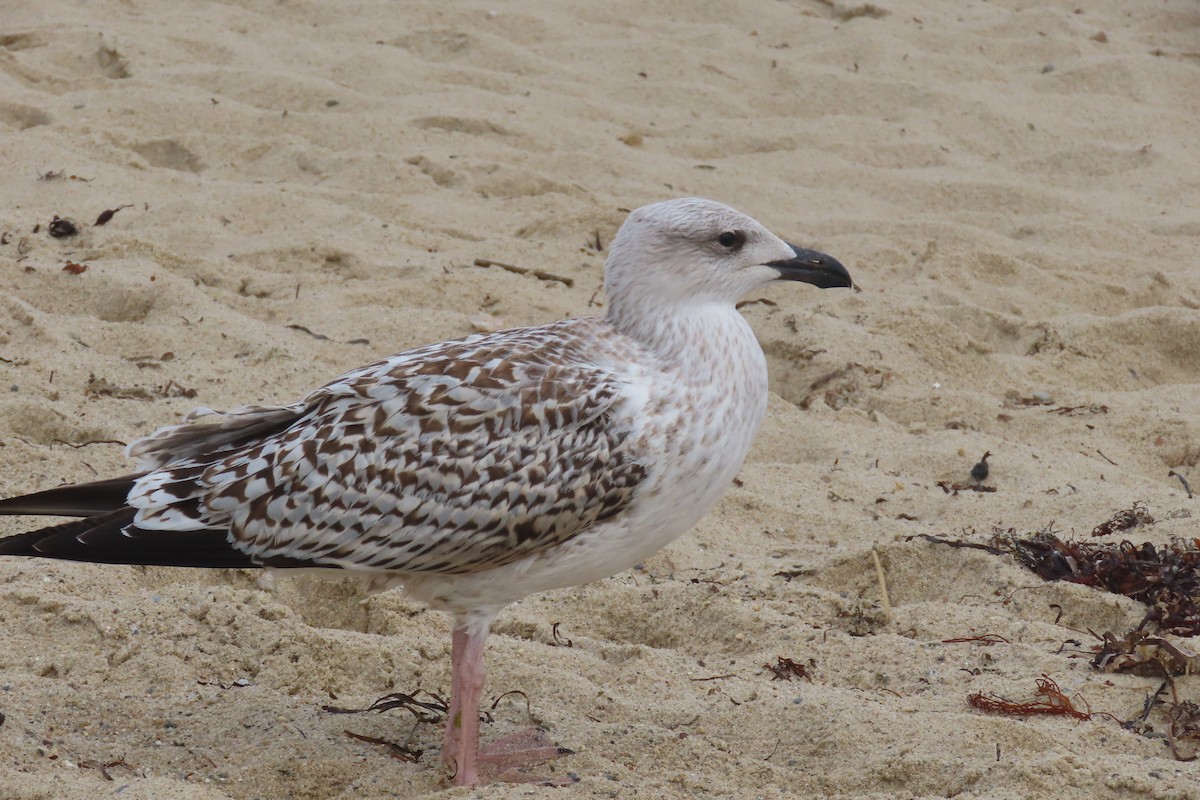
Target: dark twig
528	708
322	337
987	638
77	445
714	677
954	543
537	273
560	641
398	751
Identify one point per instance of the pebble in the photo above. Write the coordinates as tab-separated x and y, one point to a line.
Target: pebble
1042	397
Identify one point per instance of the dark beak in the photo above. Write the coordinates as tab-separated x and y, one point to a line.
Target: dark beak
822	271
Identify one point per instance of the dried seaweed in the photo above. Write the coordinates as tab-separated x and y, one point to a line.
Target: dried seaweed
432	710
1072	411
101	387
401	752
1166	578
1123	520
784	669
1184	726
1182	722
954	487
1052	701
107	214
1139	652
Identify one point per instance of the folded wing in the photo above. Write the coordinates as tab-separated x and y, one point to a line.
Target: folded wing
453	458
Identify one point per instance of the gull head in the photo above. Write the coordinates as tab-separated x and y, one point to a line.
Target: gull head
688	252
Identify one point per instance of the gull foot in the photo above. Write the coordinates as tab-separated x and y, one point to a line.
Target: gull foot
507	759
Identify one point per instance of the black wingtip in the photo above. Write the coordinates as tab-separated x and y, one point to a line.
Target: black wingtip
63	541
113	539
74	500
106	533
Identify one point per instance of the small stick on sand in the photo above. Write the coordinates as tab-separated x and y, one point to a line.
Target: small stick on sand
1186	488
537	273
883	590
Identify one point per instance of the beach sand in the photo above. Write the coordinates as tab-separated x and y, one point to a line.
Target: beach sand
305	187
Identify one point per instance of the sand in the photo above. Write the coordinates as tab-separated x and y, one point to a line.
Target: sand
1012	184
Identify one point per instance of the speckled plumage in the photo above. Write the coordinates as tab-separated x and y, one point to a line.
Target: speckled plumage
477	471
448	459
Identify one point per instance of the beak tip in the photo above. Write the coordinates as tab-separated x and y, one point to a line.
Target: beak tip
809	266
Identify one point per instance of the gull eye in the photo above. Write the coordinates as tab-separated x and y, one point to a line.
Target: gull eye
732	240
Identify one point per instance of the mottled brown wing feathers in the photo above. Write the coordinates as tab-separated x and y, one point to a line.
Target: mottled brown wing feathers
454	458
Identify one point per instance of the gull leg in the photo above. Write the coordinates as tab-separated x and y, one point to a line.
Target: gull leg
503	759
460	745
449	739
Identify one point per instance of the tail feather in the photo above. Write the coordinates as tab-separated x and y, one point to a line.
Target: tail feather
75	500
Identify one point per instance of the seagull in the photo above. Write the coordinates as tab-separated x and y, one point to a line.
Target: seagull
477	471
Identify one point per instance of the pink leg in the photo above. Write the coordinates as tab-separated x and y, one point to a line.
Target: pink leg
460	746
503	759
